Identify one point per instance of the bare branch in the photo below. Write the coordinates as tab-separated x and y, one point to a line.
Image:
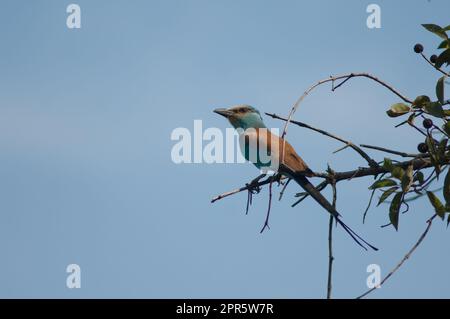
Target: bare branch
363	154
249	201
406	257
243	188
368	205
382	149
332	79
330	243
284	188
266	222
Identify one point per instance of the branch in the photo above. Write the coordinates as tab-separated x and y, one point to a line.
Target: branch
418	163
431	63
382	149
332	79
406	257
363	154
243	188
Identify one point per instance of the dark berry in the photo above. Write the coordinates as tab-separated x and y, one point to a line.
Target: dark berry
433	58
422	147
418	48
427	123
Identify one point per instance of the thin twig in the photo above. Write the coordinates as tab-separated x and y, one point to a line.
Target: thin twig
334	88
330	244
440	130
409	120
303	195
406	257
266	222
417	129
284	188
368	205
333	79
363	154
434	66
249	201
243	188
386	150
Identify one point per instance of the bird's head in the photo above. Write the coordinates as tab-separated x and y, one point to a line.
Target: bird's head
242	116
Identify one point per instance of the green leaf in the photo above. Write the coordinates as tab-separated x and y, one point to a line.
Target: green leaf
386	194
398	109
442	147
436	165
431	143
435	109
398	172
436	30
440	89
446	190
438	207
433	154
411	119
447	28
421	100
446	128
444	57
387	163
394	209
444	44
407	178
419	177
383	183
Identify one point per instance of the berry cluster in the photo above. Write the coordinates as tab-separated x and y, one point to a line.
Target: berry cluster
423	147
418	48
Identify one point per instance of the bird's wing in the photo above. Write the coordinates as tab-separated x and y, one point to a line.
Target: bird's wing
290	158
263	140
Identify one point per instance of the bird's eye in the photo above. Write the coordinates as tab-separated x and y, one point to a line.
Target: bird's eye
241	110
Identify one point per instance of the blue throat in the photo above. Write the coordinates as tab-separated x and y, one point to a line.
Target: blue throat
252	120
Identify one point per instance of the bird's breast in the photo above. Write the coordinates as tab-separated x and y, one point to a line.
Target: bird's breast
260	147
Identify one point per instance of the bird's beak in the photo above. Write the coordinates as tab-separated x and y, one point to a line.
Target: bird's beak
223	112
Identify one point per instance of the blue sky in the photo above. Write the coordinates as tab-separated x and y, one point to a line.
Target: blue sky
86	175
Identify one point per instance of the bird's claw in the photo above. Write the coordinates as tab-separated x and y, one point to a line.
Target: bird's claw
253	187
277	178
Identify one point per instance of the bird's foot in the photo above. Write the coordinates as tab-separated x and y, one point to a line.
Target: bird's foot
277	178
253	187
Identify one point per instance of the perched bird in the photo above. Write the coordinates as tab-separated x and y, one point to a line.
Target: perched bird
280	157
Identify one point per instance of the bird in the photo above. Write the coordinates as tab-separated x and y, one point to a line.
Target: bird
281	157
